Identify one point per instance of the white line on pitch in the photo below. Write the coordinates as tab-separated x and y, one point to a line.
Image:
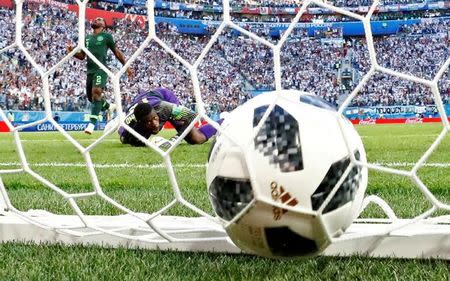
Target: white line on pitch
66	140
399	136
117	139
196	165
106	166
410	164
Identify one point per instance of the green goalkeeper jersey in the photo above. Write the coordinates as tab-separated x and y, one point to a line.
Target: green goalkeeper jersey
98	45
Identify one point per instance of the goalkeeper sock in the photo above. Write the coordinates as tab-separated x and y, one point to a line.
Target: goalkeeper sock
96	107
105	105
208	130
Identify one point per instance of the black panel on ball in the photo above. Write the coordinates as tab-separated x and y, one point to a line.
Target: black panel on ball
346	191
229	196
282	241
279	139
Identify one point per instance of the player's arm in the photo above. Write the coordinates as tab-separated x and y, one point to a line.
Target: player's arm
195	136
118	54
180	113
79	55
202	134
181	118
121	57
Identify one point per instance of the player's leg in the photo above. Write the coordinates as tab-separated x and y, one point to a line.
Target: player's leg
98	81
110	108
89	80
89	85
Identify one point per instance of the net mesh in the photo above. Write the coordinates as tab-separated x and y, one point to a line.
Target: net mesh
147	227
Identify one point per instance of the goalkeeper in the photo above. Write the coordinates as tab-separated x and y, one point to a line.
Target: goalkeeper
151	109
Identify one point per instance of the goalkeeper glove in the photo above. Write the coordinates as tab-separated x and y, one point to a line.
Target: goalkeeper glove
161	142
174	139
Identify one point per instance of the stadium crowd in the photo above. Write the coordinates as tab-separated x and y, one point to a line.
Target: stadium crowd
233	67
279	17
248	3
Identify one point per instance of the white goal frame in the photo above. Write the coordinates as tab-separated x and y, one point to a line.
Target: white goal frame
420	237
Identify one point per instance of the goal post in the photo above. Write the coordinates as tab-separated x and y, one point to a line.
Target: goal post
423	236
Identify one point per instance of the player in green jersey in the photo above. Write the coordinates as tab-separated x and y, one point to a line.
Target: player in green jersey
98	44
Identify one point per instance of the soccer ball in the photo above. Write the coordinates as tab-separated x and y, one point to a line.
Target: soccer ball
274	189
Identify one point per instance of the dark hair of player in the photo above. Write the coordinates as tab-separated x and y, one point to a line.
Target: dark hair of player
141	111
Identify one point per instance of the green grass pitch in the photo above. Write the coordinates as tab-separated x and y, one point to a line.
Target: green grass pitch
136	178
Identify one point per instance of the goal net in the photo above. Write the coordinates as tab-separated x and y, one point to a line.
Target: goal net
426	234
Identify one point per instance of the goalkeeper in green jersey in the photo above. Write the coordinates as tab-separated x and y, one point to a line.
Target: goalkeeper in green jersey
98	44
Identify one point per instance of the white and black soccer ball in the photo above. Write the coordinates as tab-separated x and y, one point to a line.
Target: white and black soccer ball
275	189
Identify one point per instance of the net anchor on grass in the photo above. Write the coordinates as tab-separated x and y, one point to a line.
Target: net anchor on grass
400	238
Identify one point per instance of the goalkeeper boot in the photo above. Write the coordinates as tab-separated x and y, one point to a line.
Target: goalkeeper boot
89	129
110	112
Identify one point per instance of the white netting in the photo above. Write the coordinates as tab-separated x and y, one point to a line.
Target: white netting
159	230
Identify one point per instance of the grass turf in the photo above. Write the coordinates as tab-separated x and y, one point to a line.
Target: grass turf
143	186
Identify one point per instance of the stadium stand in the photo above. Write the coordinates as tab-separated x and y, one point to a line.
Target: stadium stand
331	64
